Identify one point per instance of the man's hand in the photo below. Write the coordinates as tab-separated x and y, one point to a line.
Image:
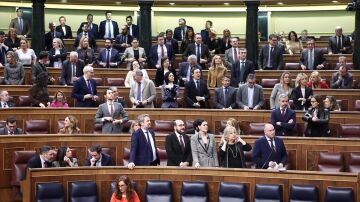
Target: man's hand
131	166
303	67
202	61
291	121
246	108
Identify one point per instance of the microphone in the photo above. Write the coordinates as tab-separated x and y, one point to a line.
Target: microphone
262	167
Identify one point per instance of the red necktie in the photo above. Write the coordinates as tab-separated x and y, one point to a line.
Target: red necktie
162	51
236	58
182	144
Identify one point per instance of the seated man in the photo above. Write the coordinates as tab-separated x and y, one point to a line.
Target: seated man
342	62
283	118
142	91
10	128
342	79
97	158
196	92
185	70
250	95
4	98
269	151
44	159
84	89
108	57
225	96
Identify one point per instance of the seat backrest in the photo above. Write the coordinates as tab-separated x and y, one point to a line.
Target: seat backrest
162	156
37	127
24	101
126	156
248	160
268	83
302	193
354	162
331	162
159	191
83	191
19	166
268	192
115	82
292	66
112	188
350	130
126	126
194	192
163	126
98	128
2	80
336	194
229	191
252	128
2	124
50	192
98	81
189	127
357	105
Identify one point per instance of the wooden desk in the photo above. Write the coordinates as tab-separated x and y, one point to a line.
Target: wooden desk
104	176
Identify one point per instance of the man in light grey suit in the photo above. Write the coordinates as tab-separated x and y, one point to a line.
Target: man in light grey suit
232	54
21	25
142	91
250	95
225	96
111	114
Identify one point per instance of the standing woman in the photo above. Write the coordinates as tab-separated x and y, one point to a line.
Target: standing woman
124	191
284	87
64	158
203	146
160	72
85	52
14	73
232	149
57	55
134	53
216	72
70	126
213	42
25	54
317	118
225	42
12	42
188	39
169	92
293	44
135	65
301	94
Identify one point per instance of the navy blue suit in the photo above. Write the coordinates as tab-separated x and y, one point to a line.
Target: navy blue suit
49	39
285	128
94	30
174	45
135	31
102	29
238	75
140	153
177	32
153	56
3	55
113	58
105	160
80	89
262	153
183	70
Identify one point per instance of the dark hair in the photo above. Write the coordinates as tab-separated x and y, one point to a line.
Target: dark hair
161	34
193	70
44	149
96	148
293	32
128	17
106	90
42	79
166	77
108	11
62	17
250	76
111	41
271	36
187	34
11	119
168	30
18	9
319	99
2	33
333	104
43	54
61	152
163	60
198	123
210	22
183	19
89	15
131	65
134	39
129	188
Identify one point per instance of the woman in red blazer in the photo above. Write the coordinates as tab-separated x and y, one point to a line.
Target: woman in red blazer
315	81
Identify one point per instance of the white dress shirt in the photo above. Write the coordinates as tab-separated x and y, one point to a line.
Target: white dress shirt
251	97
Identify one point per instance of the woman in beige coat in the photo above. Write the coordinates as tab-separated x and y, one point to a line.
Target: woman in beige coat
216	72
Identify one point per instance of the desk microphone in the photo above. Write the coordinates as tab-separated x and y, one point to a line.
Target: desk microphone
262	167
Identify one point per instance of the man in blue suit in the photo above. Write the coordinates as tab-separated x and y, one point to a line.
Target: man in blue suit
98	158
51	35
84	90
143	145
93	28
108	29
108	57
159	51
269	152
133	30
283	118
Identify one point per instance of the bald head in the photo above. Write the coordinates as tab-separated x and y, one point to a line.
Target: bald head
269	130
179	126
338	30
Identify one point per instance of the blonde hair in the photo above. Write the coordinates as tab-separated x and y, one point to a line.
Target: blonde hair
213	65
81	43
283	75
57	40
299	77
235	124
133	123
229	130
316	75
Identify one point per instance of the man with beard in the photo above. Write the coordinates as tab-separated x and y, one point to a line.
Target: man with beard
108	57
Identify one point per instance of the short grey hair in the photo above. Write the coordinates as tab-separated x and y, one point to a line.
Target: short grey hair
88	68
142	117
243	50
191	57
138	72
74	53
282	95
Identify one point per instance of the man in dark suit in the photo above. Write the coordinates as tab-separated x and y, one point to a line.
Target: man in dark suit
342	79
93	28
269	151
64	29
123	40
169	40
225	96
4	98
339	44
21	25
133	30
3	49
178	147
270	57
250	96
196	92
232	54
185	68
143	145
108	29
108	57
85	33
200	50
44	159
241	69
98	158
51	35
312	58
179	32
159	51
72	68
11	128
84	90
40	66
283	118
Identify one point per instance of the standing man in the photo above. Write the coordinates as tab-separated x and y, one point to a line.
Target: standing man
84	90
51	35
4	98
271	57
200	50
98	158
169	40
179	32
196	92
143	145
283	118
160	51
250	96
21	25
269	151
225	96
241	69
108	29
339	44
178	147
185	68
123	40
11	128
312	58
133	30
3	49
85	33
64	29
108	57
142	91
72	68
44	159
111	114
232	54
342	79
93	28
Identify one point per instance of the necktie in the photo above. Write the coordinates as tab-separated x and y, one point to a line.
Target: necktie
339	43
20	25
162	51
111	109
73	70
225	94
89	86
11	132
109	31
198	84
272	144
108	58
271	57
149	146
46	165
198	54
236	58
138	95
182	144
311	60
282	114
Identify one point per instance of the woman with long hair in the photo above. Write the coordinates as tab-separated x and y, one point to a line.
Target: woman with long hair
64	158
25	54
160	72
59	100
14	73
293	44
124	191
284	87
85	52
12	41
188	39
135	52
58	53
213	42
170	92
70	126
216	72
331	104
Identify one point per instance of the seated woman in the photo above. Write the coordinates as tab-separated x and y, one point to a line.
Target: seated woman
14	73
232	149
284	87
25	54
58	54
317	118
124	191
64	158
225	41
315	81
293	44
70	126
331	104
12	41
134	53
59	100
169	92
85	52
39	95
160	72
216	72
130	75
301	94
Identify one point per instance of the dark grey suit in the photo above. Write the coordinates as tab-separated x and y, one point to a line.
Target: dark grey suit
345	83
229	59
333	48
219	101
277	55
242	96
318	58
108	126
239	74
17	131
66	74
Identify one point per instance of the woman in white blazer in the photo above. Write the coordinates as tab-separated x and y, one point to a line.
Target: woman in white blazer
134	53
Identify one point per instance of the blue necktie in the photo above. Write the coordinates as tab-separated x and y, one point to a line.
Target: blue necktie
20	25
108	59
198	54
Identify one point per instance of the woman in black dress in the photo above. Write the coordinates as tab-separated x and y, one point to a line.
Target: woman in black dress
39	95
